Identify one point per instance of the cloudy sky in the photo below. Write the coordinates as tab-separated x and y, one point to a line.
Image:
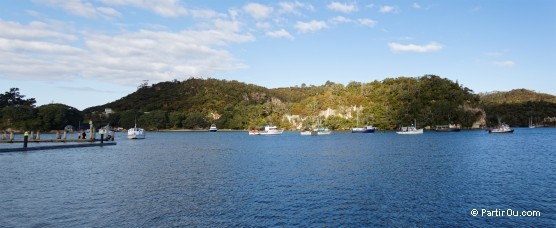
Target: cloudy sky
89	52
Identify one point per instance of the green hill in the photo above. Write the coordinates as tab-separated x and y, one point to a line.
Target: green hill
517	107
388	104
197	103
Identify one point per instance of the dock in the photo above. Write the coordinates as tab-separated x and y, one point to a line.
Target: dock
84	143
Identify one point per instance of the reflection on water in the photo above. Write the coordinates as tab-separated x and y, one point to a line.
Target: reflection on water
233	179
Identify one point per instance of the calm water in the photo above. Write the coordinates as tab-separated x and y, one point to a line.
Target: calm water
233	179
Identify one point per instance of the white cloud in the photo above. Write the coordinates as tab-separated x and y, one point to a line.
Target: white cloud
81	8
292	7
396	47
282	33
205	13
127	57
14	45
416	6
34	30
311	26
367	22
370	6
340	19
263	25
108	12
507	63
258	11
165	8
388	9
342	7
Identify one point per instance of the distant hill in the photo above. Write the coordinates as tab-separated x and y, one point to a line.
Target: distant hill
518	106
516	96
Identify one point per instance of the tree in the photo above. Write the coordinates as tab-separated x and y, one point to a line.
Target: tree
13	97
57	116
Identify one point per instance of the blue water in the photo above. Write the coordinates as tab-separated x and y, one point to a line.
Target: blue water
233	179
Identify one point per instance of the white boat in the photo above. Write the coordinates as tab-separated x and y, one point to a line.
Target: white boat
271	130
107	132
411	130
213	128
136	133
502	128
318	131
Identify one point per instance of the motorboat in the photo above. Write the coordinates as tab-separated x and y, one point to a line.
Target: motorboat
502	128
271	130
213	128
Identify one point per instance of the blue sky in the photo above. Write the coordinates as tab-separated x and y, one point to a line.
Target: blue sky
90	52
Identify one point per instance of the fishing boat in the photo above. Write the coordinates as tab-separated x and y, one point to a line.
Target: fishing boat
411	130
213	128
448	128
502	128
365	129
136	133
254	132
271	130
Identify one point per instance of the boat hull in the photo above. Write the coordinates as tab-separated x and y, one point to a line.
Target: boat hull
272	132
136	136
500	132
315	133
363	130
414	132
448	130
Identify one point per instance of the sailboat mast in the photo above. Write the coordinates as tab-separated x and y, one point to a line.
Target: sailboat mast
357	125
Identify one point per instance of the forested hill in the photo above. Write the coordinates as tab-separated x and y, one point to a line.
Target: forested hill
387	104
517	107
516	96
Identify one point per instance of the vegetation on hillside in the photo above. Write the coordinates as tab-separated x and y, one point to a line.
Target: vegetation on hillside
519	106
196	103
387	104
21	114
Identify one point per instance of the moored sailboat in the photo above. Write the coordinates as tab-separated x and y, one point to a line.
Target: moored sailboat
365	129
136	133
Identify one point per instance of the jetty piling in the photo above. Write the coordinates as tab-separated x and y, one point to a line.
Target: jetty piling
11	135
38	135
25	138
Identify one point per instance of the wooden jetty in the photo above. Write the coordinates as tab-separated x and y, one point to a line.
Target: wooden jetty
91	142
50	147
